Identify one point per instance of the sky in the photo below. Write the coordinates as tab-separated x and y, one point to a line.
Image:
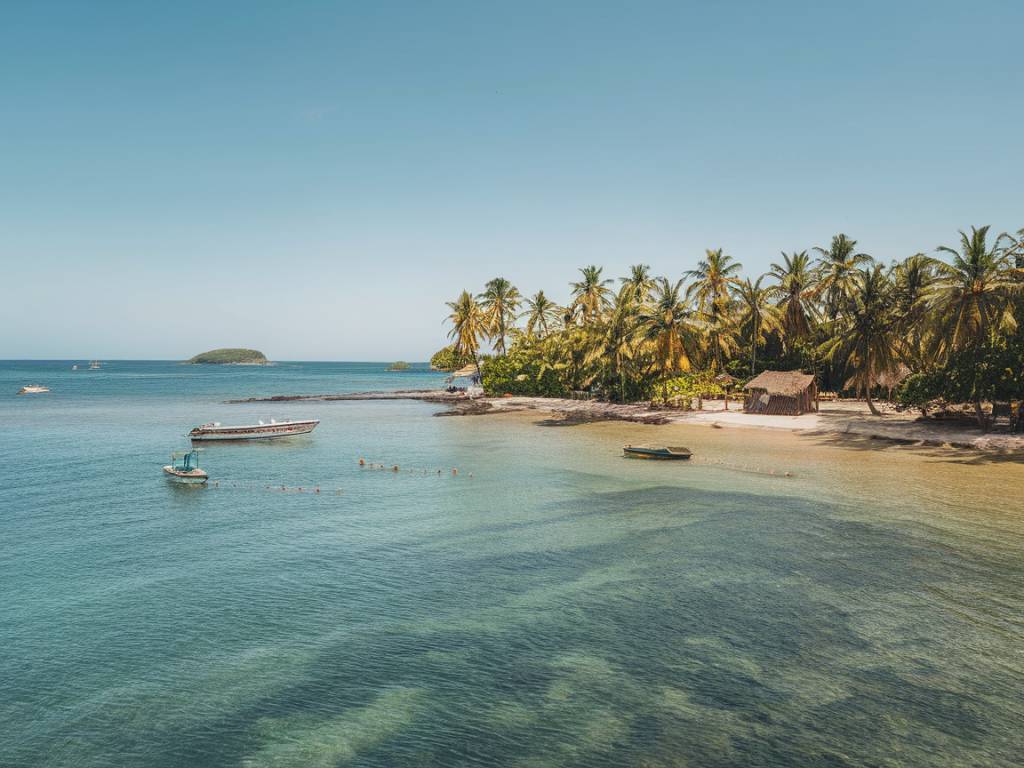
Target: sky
316	179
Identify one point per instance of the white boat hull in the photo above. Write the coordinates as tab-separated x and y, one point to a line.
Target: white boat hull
195	477
253	431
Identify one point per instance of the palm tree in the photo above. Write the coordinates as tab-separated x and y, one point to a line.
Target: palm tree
758	316
667	324
468	325
500	303
591	293
837	273
866	341
972	297
541	314
639	281
615	337
1013	247
714	280
795	288
912	279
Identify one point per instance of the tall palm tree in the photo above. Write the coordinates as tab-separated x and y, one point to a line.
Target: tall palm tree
837	268
541	314
500	303
866	340
591	294
795	288
639	281
912	279
714	280
667	324
468	325
972	296
757	316
614	341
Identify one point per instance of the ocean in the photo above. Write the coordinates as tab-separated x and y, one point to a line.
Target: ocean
516	594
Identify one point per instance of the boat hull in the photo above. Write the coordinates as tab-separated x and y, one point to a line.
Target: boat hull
665	454
254	431
194	477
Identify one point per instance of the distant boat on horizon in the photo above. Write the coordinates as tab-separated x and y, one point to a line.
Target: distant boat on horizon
33	389
214	430
94	365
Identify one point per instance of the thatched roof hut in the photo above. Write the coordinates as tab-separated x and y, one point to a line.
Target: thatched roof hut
466	372
781	393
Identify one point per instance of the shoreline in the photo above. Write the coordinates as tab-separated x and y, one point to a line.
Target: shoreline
843	419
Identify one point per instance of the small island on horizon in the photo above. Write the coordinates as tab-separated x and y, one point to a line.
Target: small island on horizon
229	356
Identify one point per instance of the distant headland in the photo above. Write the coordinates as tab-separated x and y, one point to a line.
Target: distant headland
229	356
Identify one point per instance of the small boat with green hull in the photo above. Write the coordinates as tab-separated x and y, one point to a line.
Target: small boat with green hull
184	468
671	452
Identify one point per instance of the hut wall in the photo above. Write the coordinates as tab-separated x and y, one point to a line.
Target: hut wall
759	401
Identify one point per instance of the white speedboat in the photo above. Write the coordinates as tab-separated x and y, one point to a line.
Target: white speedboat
33	389
259	431
94	365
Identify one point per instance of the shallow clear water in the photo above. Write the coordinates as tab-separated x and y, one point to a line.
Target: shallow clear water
551	604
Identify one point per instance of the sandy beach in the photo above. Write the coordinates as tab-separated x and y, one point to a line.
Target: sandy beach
834	418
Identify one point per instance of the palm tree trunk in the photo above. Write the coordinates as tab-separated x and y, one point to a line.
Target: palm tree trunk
980	415
871	405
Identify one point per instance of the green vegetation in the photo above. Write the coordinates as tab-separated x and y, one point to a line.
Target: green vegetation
948	326
399	365
447	359
230	356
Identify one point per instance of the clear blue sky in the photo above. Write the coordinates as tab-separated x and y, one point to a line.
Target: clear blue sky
316	179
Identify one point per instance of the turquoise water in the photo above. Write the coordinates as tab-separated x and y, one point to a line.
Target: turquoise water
550	605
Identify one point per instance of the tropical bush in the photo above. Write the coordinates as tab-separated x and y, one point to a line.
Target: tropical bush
447	359
680	391
525	370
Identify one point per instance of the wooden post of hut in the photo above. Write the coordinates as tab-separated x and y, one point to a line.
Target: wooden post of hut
781	393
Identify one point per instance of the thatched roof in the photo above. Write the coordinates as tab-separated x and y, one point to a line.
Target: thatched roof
467	371
885	379
781	382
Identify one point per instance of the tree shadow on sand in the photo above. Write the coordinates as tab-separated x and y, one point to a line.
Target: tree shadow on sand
952	453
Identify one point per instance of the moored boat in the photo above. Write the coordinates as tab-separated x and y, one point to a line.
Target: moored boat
260	431
94	365
184	468
33	389
656	452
